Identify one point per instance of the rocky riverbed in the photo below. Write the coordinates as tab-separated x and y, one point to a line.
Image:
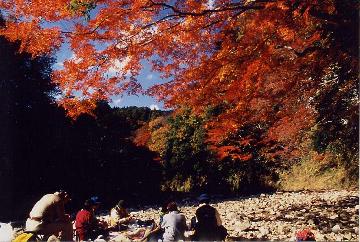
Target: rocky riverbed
331	215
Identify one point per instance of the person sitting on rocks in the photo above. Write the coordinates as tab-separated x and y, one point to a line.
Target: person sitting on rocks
119	215
86	224
208	226
174	224
163	211
157	233
48	216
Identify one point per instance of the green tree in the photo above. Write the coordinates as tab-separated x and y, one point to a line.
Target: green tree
186	153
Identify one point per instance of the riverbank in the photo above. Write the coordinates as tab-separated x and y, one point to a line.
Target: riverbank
331	215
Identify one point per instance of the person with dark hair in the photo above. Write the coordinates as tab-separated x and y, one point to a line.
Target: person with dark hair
163	211
86	224
48	216
157	233
208	226
119	215
174	224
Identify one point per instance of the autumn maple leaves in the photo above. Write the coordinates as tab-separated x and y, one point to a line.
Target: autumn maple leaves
259	61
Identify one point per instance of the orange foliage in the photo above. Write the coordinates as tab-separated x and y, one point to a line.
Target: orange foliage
142	136
259	60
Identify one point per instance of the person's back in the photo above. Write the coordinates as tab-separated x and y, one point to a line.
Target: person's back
86	224
174	224
208	226
206	214
48	216
48	208
205	232
84	219
83	223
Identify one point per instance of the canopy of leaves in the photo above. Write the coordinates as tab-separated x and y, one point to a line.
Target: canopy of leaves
287	66
259	60
178	36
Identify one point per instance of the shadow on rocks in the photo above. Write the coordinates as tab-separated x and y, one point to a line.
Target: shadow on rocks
322	214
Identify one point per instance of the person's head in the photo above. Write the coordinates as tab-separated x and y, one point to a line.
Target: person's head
91	204
204	198
172	207
164	207
121	204
63	195
95	200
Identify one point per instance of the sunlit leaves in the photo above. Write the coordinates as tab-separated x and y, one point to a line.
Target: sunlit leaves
179	35
261	61
84	7
34	39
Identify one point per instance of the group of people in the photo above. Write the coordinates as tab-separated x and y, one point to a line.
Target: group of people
207	224
48	217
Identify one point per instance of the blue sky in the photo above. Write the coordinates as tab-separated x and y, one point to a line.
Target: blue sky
146	78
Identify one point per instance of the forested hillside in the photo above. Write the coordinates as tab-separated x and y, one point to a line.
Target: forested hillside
43	150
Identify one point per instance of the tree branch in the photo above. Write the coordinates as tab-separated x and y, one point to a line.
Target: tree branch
230	7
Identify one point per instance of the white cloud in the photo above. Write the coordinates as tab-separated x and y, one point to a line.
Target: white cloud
154	29
117	101
71	56
210	4
76	59
59	65
154	107
118	66
150	76
139	37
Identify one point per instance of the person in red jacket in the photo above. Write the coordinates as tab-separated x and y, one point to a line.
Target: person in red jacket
86	224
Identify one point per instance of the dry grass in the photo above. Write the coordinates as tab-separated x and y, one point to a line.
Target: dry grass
316	175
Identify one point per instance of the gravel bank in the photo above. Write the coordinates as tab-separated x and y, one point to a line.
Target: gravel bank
331	215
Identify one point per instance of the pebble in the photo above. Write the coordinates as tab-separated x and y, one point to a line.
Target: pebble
244	226
336	228
319	237
339	238
347	236
310	221
278	216
263	231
